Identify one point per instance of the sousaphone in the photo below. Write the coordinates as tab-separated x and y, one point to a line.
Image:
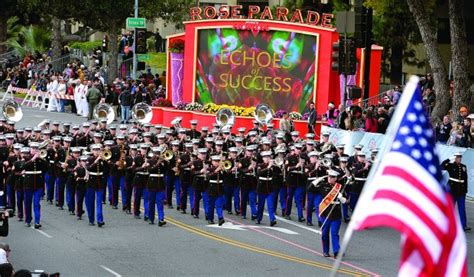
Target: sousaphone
142	113
104	111
12	111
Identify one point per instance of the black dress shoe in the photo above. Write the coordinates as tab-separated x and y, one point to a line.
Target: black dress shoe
72	213
28	225
211	222
221	221
467	229
183	212
170	206
60	208
273	223
206	218
326	255
301	219
178	208
309	224
258	222
253	217
37	226
114	207
229	212
91	224
145	218
161	223
151	223
237	213
346	220
79	218
137	217
288	217
195	216
20	219
244	217
128	212
320	224
100	224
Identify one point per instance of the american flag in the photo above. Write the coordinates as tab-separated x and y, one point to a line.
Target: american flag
406	193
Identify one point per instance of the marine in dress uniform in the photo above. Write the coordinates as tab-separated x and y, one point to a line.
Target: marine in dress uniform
313	170
296	184
185	177
231	184
96	185
360	171
80	181
156	186
70	166
193	133
140	179
172	180
330	211
458	185
61	154
215	190
199	171
248	182
33	169
265	188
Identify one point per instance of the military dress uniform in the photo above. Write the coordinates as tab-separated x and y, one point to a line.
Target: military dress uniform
265	190
360	176
185	178
10	182
331	216
248	186
231	187
50	176
295	187
215	193
96	185
33	188
71	164
199	185
18	185
313	172
458	187
80	183
61	176
139	181
156	188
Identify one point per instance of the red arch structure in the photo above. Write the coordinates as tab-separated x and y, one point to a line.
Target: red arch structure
223	56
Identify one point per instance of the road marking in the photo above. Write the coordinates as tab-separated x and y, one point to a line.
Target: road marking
296	224
258	249
42	232
111	271
231	226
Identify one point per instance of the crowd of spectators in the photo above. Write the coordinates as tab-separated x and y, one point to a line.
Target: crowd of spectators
87	85
375	118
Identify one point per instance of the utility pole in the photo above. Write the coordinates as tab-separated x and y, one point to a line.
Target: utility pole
368	51
134	70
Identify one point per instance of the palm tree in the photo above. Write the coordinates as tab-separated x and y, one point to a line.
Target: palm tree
26	39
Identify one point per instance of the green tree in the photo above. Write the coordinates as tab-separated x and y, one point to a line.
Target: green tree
9	9
395	30
24	40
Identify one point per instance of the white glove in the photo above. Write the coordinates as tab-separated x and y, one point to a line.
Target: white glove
341	198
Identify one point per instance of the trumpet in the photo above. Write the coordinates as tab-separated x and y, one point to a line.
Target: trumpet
106	155
327	162
43	153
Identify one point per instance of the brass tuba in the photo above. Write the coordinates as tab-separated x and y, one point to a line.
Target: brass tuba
142	113
225	117
104	111
12	111
263	114
167	155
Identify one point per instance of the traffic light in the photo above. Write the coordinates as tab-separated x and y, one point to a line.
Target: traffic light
140	41
105	44
351	67
338	56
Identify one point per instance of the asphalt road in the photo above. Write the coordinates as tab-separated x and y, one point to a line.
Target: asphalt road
186	246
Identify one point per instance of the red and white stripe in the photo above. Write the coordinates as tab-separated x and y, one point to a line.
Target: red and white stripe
406	197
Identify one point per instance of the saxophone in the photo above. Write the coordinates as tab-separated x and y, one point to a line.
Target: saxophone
65	160
122	158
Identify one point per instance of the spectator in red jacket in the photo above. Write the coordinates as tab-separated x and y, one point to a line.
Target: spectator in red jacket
371	123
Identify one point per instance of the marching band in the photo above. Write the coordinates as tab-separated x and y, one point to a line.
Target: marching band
228	171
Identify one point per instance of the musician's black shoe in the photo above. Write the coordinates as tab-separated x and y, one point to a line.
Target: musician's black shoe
309	224
301	219
221	221
211	222
229	212
100	224
244	217
79	217
151	223
145	218
335	255
273	223
170	206
91	224
254	217
467	229
128	212
50	202
326	255
28	225
37	226
60	208
137	217
183	211
20	219
195	216
206	218
346	220
161	223
103	202
114	207
237	213
258	222
178	208
320	224
288	217
72	213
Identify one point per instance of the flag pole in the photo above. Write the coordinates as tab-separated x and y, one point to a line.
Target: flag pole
367	191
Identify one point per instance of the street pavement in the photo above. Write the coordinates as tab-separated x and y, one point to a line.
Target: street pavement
190	247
